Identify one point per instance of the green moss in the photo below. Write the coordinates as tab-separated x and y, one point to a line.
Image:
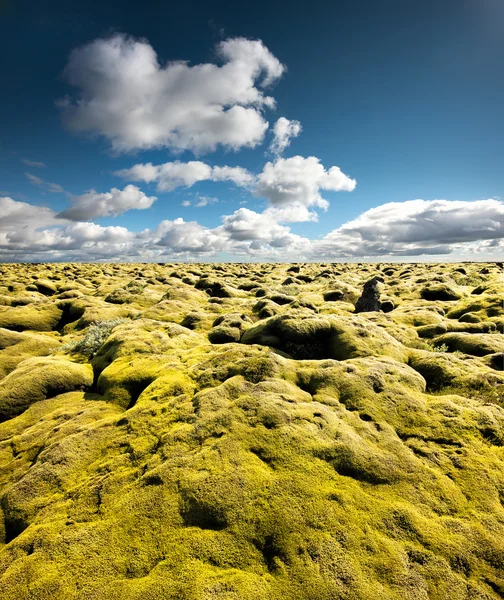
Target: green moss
472	343
306	337
36	379
16	347
126	378
439	291
328	456
41	317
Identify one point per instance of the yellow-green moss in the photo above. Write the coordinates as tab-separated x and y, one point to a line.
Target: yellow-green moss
36	379
324	456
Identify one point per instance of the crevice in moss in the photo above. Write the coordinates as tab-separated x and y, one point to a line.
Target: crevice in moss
442	441
69	314
198	513
14	524
270	551
263	455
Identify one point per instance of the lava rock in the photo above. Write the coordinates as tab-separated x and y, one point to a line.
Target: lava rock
370	298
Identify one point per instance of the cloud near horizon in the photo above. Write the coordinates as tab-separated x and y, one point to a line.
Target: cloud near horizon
429	228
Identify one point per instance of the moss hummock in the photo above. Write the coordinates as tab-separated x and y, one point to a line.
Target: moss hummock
236	432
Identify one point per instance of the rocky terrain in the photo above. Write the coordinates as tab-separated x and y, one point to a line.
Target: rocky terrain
251	432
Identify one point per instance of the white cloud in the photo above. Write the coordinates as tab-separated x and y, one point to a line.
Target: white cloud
33	163
141	172
200	201
23	217
172	175
180	236
205	201
418	227
441	229
237	175
55	188
283	131
246	225
293	185
109	204
30	232
126	95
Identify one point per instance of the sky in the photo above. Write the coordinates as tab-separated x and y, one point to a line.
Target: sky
269	131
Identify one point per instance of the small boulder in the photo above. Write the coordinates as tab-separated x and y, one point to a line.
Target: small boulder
387	306
370	298
228	328
334	296
439	291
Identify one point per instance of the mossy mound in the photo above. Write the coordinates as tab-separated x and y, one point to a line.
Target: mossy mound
228	328
304	337
46	287
16	347
127	377
439	291
465	374
38	317
36	379
472	343
325	455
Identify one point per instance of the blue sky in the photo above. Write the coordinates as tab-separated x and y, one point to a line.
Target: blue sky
404	97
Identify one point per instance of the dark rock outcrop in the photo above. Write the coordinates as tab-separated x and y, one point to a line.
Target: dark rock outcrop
370	298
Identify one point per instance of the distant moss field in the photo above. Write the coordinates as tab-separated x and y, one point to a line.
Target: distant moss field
239	432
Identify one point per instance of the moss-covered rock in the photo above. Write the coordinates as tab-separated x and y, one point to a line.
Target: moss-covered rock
305	337
332	455
46	287
439	291
228	328
36	379
472	343
127	377
16	347
431	331
39	317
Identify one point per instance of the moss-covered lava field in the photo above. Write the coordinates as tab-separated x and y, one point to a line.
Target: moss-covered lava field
244	432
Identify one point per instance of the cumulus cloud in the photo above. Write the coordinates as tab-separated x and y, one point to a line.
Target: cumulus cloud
181	236
75	236
30	232
283	131
293	185
22	216
417	227
172	175
55	188
109	204
33	163
126	95
261	230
